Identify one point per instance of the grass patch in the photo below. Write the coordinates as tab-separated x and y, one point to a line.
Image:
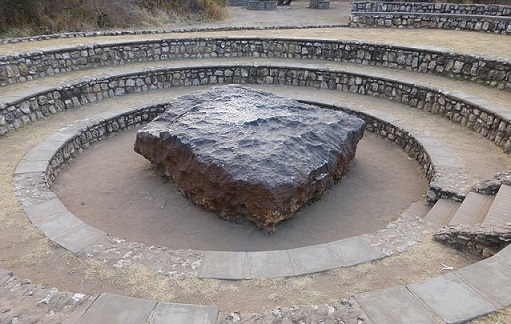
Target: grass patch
41	251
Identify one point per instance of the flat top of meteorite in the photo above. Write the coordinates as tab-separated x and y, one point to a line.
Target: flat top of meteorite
254	135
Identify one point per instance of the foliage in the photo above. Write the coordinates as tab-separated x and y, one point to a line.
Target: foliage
49	16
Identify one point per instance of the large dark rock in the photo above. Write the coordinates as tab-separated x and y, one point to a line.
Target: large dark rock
245	152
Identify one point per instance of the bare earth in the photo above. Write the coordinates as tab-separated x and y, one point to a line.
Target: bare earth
114	189
102	184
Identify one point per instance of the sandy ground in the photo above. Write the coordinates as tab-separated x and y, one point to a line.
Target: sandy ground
113	188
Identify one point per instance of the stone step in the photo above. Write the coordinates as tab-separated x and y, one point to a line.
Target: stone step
500	211
442	212
473	210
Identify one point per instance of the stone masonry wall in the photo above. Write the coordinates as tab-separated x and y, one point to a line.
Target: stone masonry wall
430	7
27	66
489	124
481	241
400	137
487	18
94	131
497	25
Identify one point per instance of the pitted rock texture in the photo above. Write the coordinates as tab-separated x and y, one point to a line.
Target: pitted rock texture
244	152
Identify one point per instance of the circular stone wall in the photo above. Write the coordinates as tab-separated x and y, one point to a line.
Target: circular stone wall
111	187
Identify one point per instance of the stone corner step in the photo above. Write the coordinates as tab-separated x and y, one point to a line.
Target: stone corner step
500	211
473	210
442	212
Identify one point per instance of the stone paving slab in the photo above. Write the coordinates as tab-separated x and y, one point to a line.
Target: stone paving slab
504	256
185	314
41	211
442	212
500	210
31	166
58	224
114	309
312	259
5	275
223	265
40	154
269	264
491	279
61	136
47	145
78	237
452	299
396	305
473	209
353	251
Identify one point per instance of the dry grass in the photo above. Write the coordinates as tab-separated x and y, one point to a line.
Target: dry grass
500	317
41	251
31	17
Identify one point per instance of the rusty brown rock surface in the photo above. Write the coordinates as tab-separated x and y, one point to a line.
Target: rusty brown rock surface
248	153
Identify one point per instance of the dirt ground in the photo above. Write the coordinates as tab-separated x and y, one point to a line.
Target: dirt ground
116	190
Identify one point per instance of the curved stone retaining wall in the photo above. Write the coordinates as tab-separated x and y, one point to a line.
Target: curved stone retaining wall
26	66
491	122
430	7
75	138
96	131
490	24
487	18
443	171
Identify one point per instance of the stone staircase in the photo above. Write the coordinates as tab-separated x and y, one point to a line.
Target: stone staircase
476	209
